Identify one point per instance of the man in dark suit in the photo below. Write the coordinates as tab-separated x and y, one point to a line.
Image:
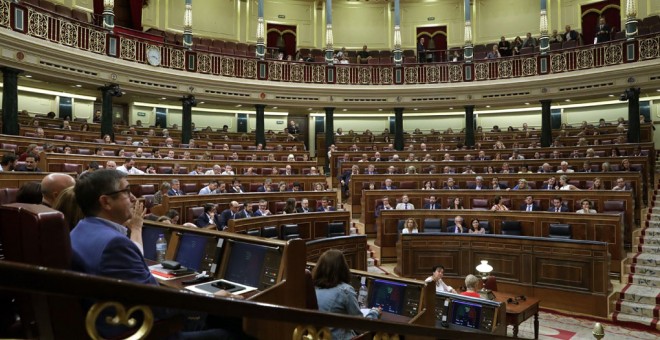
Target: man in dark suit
529	204
570	34
266	186
235	187
245	212
228	214
325	206
478	184
263	209
345	179
496	185
175	189
385	205
557	205
207	219
371	170
433	204
458	228
304	206
293	128
450	184
602	31
421	51
388	185
99	243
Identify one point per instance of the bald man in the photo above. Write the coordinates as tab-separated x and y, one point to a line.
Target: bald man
52	185
111	165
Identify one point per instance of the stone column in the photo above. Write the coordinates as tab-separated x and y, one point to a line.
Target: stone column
469	125
398	54
108	14
546	123
329	40
631	19
545	38
260	137
261	35
468	53
329	134
187	25
107	92
10	101
633	114
398	128
186	118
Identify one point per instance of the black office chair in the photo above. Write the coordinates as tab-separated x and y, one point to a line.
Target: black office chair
485	225
560	231
511	228
401	225
254	232
336	229
269	232
289	231
432	225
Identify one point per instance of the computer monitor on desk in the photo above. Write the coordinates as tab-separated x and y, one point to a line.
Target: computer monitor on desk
395	297
245	267
467	313
196	252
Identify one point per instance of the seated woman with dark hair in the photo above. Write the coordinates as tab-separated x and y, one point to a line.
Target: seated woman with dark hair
333	290
290	206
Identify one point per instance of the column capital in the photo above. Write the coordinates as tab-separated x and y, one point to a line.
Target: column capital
10	70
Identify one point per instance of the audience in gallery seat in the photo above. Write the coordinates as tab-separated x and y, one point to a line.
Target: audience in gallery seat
334	293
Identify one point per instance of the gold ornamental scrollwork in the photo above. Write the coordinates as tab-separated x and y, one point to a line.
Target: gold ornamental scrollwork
364	75
227	66
529	67
204	63
613	55
318	74
343	75
297	73
37	24
249	69
558	63
177	59
432	74
385	336
127	48
122	318
310	333
505	68
68	34
275	71
481	71
386	75
455	73
410	74
4	13
648	48
97	42
585	59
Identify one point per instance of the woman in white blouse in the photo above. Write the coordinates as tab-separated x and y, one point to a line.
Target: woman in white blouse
410	226
586	207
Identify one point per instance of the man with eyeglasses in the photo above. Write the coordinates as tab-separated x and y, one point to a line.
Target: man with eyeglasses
100	244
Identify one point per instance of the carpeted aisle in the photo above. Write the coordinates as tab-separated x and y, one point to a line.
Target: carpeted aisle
639	300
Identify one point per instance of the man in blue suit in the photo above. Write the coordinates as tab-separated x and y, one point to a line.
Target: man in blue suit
325	206
100	244
176	188
433	204
207	219
228	214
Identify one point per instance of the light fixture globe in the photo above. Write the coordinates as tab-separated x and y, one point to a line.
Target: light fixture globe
485	269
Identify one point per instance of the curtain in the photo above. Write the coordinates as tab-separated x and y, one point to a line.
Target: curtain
609	9
435	39
288	35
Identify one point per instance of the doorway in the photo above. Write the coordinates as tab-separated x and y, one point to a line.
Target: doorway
435	42
303	124
608	9
281	38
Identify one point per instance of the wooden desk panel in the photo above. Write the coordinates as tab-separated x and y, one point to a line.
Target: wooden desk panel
565	274
517	198
598	227
312	225
354	248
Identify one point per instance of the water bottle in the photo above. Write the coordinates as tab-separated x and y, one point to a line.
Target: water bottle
362	294
161	248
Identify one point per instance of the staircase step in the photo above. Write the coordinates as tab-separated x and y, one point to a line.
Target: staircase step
643	270
648	249
621	317
639	294
644	280
637	309
650	241
647	259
